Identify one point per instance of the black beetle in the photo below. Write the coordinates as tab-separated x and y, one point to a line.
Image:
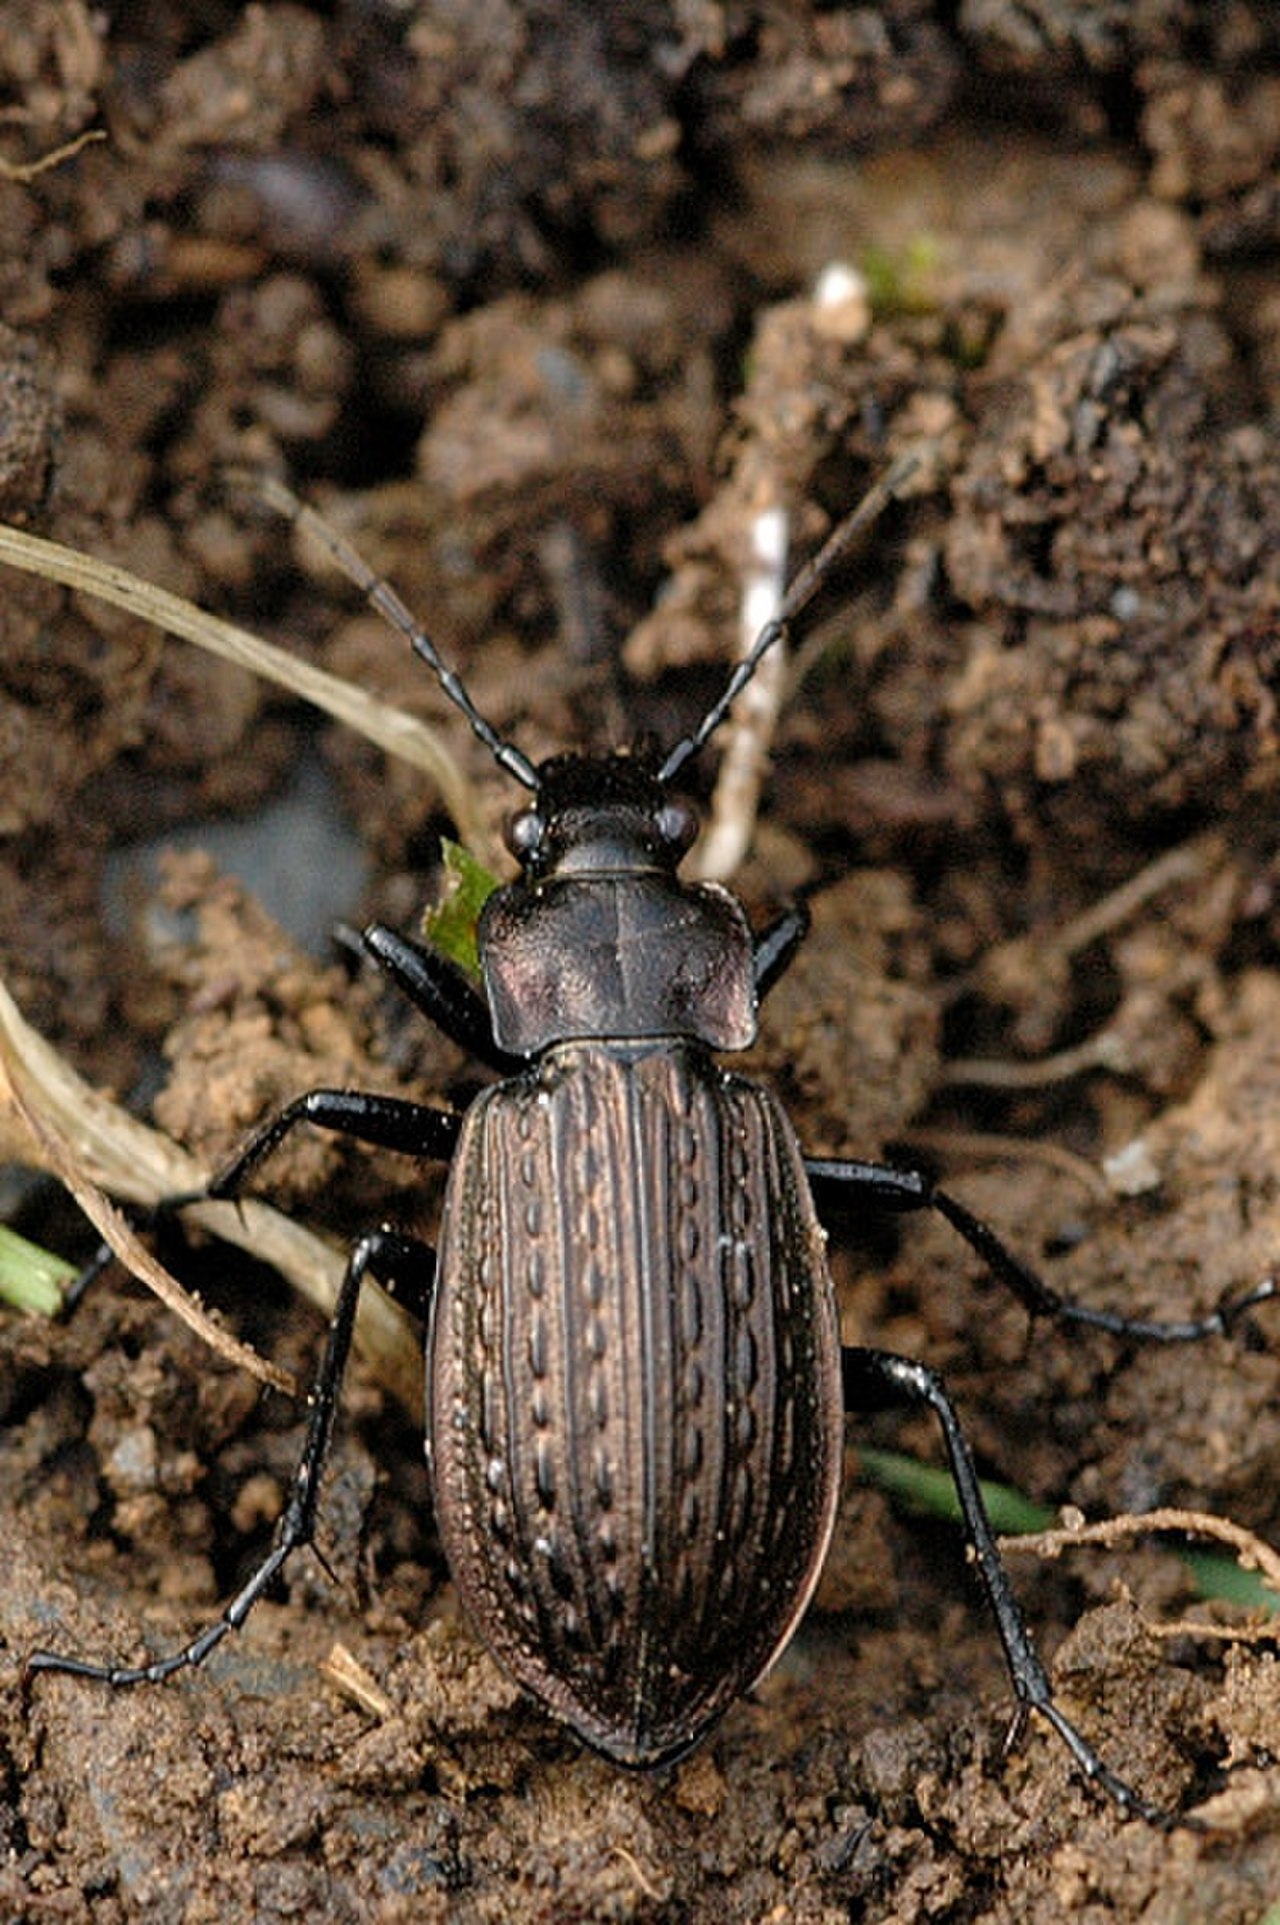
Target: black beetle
636	1387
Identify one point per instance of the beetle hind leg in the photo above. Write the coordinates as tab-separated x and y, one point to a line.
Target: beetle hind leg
389	1255
880	1380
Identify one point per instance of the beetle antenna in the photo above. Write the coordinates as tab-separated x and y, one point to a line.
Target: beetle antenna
802	591
381	596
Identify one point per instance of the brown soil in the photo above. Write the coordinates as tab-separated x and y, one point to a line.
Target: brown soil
521	295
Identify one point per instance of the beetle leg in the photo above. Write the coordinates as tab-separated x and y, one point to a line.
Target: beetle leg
441	991
390	1122
387	1253
85	1278
774	948
406	1269
835	1182
879	1380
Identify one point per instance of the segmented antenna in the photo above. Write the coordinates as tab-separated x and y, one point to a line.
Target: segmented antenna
797	598
381	597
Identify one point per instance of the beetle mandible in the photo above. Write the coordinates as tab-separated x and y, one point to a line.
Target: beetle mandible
636	1389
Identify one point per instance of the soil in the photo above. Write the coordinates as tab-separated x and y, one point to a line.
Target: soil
523	297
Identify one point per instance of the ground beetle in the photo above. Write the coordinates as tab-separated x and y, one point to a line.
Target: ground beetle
636	1390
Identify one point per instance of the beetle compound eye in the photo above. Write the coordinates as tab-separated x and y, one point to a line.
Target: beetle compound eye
524	833
677	824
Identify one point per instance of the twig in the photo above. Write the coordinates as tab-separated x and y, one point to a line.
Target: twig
24	172
1251	1553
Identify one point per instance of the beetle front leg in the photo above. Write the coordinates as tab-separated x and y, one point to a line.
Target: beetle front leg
391	1256
773	950
880	1380
836	1182
441	991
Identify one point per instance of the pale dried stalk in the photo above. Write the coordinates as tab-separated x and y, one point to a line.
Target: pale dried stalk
731	824
838	310
389	728
51	1119
346	1674
24	172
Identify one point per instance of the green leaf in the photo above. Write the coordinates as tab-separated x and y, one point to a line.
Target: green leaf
31	1278
931	1492
1221	1577
900	280
450	924
925	1488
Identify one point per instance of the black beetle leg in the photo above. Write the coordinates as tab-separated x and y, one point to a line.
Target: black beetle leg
879	1380
774	948
85	1278
390	1122
441	991
835	1182
392	1256
414	1129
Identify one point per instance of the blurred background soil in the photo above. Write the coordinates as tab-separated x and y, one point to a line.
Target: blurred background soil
523	297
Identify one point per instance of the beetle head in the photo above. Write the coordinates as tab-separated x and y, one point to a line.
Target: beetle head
601	815
599	937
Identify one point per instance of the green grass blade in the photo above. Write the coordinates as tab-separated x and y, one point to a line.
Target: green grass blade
31	1278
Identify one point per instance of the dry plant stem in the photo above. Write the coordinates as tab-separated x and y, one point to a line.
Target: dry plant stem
347	1675
389	728
1251	1553
755	714
1105	1050
633	1865
1203	1629
52	1120
992	1147
763	480
24	172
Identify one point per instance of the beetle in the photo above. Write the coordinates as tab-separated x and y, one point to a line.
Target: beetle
636	1388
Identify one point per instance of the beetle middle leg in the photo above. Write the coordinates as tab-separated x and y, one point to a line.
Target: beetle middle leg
837	1182
393	1258
387	1122
880	1380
